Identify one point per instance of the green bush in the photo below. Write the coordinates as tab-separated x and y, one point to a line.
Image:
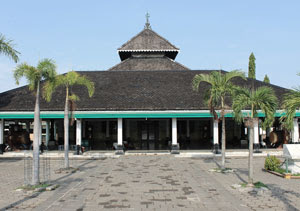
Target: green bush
282	171
272	163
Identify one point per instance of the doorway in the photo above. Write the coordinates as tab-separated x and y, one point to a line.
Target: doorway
149	135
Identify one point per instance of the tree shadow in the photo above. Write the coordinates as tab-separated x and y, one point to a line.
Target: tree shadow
83	168
57	180
35	195
237	173
10	160
69	174
279	193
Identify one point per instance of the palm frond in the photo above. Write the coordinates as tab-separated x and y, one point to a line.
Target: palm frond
291	103
71	78
73	97
47	67
29	72
67	80
262	98
221	89
82	80
200	78
21	70
51	85
233	74
241	100
6	47
266	100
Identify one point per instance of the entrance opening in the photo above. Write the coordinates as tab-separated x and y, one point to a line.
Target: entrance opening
194	134
99	134
147	134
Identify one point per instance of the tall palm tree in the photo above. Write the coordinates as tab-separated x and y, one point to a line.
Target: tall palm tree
262	98
67	81
6	48
220	91
45	70
291	103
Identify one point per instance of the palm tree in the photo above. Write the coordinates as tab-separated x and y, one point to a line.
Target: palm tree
264	99
291	103
6	48
67	81
220	90
45	70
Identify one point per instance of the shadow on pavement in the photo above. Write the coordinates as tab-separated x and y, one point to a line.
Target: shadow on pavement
237	173
279	193
36	194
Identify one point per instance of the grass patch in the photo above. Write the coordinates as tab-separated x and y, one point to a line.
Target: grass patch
244	185
255	185
260	185
34	187
282	171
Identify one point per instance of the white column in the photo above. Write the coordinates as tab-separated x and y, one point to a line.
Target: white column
174	131
1	131
107	129
188	128
261	131
216	132
120	131
47	132
256	131
295	131
167	128
78	132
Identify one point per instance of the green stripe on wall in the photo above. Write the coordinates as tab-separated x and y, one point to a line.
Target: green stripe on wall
122	115
145	115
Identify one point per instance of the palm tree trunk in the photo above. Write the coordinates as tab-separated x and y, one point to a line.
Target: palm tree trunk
66	129
223	140
250	161
36	140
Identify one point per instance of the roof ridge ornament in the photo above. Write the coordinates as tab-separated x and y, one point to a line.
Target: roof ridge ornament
147	24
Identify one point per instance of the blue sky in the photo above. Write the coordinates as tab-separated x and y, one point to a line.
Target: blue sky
85	35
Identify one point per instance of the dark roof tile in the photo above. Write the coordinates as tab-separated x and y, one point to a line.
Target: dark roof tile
147	41
148	64
127	90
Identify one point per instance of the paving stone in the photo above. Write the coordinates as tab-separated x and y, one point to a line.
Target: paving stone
150	182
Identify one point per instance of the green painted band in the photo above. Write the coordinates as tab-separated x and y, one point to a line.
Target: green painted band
124	115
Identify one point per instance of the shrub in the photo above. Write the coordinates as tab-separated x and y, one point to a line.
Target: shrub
282	171
272	163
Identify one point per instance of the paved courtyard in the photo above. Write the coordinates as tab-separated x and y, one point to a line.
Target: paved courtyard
148	182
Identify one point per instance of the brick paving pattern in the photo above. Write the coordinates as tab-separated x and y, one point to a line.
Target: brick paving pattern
148	182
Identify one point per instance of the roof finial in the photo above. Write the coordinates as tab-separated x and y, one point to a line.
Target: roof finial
147	24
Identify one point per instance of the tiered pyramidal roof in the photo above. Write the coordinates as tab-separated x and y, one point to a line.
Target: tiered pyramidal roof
148	51
148	41
147	79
